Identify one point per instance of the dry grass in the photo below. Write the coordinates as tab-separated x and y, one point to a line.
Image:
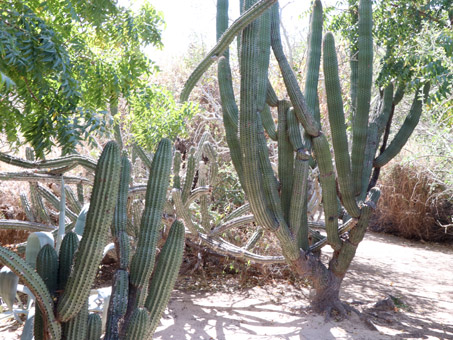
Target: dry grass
413	205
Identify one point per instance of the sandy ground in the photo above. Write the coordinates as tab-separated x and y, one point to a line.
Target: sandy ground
419	275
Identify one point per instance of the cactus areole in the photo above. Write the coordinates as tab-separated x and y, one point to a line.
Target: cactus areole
279	200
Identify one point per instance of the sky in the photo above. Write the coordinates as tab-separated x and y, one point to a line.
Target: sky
194	20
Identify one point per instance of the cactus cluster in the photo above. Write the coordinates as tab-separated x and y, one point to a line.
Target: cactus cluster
62	279
279	201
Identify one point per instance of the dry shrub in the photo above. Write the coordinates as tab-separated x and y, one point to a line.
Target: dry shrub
413	205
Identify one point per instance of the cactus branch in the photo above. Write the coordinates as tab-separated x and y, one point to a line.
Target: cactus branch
228	36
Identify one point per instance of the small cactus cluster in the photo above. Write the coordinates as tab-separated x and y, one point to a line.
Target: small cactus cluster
279	201
62	279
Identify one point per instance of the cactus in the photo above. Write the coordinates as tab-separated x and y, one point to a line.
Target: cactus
99	218
94	330
64	281
280	202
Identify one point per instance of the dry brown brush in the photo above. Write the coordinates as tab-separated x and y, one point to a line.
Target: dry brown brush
414	205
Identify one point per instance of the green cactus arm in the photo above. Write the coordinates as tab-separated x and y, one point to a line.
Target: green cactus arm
399	94
353	62
38	325
285	159
25	225
329	192
268	122
117	304
142	155
211	153
321	241
66	255
80	197
36	285
36	200
138	325
190	175
338	126
370	152
224	247
119	224
99	218
229	106
51	163
314	58
364	82
298	218
142	263
94	330
37	177
227	37
183	213
77	327
383	117
381	121
176	169
200	149
253	240
204	204
294	134
406	129
233	223
243	209
230	115
303	112
230	109
61	216
283	233
117	128
165	275
248	127
196	194
47	268
27	207
72	201
271	96
55	202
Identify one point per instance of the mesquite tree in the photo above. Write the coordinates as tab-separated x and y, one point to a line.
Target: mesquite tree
279	201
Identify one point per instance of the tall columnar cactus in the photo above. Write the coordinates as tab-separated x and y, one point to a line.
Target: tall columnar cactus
279	201
63	282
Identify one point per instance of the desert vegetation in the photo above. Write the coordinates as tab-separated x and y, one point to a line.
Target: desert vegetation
245	157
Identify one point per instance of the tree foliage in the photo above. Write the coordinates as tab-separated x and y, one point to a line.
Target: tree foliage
156	114
62	63
414	36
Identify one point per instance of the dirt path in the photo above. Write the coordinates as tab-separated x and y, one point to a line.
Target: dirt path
419	275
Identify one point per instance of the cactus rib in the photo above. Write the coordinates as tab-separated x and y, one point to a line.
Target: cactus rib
338	126
94	328
142	262
164	277
364	82
99	218
37	286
